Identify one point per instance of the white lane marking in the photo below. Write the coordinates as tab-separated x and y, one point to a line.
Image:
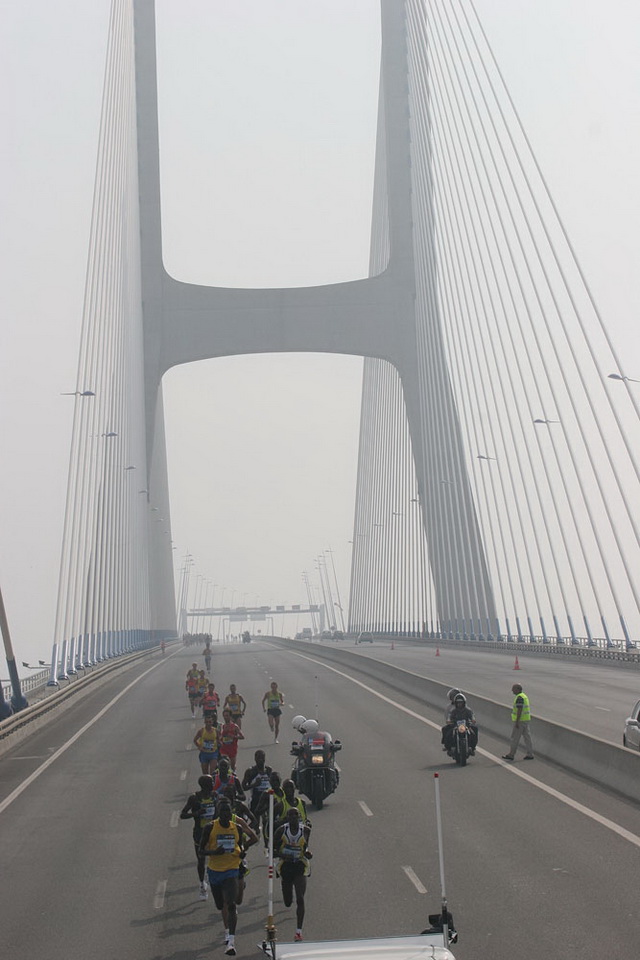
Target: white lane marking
175	818
183	775
189	746
414	880
562	797
29	758
604	709
65	746
161	890
365	808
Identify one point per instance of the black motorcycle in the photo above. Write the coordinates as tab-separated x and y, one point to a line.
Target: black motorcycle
459	748
315	772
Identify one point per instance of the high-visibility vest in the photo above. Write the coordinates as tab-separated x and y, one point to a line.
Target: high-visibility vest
525	716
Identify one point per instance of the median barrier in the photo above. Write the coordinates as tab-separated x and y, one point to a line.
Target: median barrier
605	763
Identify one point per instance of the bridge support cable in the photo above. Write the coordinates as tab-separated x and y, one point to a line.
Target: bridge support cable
545	274
525	458
103	598
470	348
559	373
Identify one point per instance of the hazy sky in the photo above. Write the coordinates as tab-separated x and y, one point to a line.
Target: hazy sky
262	450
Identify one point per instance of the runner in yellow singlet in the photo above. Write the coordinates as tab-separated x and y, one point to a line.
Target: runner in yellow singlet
236	704
206	740
223	842
272	704
288	801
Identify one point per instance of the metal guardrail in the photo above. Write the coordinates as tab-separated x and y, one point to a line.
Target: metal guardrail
27	684
600	652
56	696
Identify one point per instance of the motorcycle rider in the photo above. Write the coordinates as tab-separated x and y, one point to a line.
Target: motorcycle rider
457	712
310	733
452	693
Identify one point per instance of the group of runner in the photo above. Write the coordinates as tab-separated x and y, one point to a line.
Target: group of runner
225	825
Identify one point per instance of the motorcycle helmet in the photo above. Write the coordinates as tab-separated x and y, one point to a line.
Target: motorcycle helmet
460	699
309	726
297	722
453	693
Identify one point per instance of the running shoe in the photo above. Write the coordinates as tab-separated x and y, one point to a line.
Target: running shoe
297	938
204	893
230	951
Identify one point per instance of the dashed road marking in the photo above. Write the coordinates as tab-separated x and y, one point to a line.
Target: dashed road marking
415	880
365	808
161	891
183	775
175	818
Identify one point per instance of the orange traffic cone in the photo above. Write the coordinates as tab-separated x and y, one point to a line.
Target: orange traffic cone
437	651
516	665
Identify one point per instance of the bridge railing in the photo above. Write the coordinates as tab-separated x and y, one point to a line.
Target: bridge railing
27	684
617	650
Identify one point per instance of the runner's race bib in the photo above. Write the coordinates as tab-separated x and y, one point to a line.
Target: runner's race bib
227	841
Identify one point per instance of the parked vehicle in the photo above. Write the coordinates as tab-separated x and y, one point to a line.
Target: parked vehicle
364	637
631	735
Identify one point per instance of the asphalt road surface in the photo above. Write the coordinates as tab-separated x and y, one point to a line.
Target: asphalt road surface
97	864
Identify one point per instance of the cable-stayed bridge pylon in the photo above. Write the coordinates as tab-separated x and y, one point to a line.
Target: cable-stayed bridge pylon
497	471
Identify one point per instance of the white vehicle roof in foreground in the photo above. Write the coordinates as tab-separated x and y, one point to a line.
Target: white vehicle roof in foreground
419	947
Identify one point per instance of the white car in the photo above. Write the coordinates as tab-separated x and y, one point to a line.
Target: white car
631	735
390	948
